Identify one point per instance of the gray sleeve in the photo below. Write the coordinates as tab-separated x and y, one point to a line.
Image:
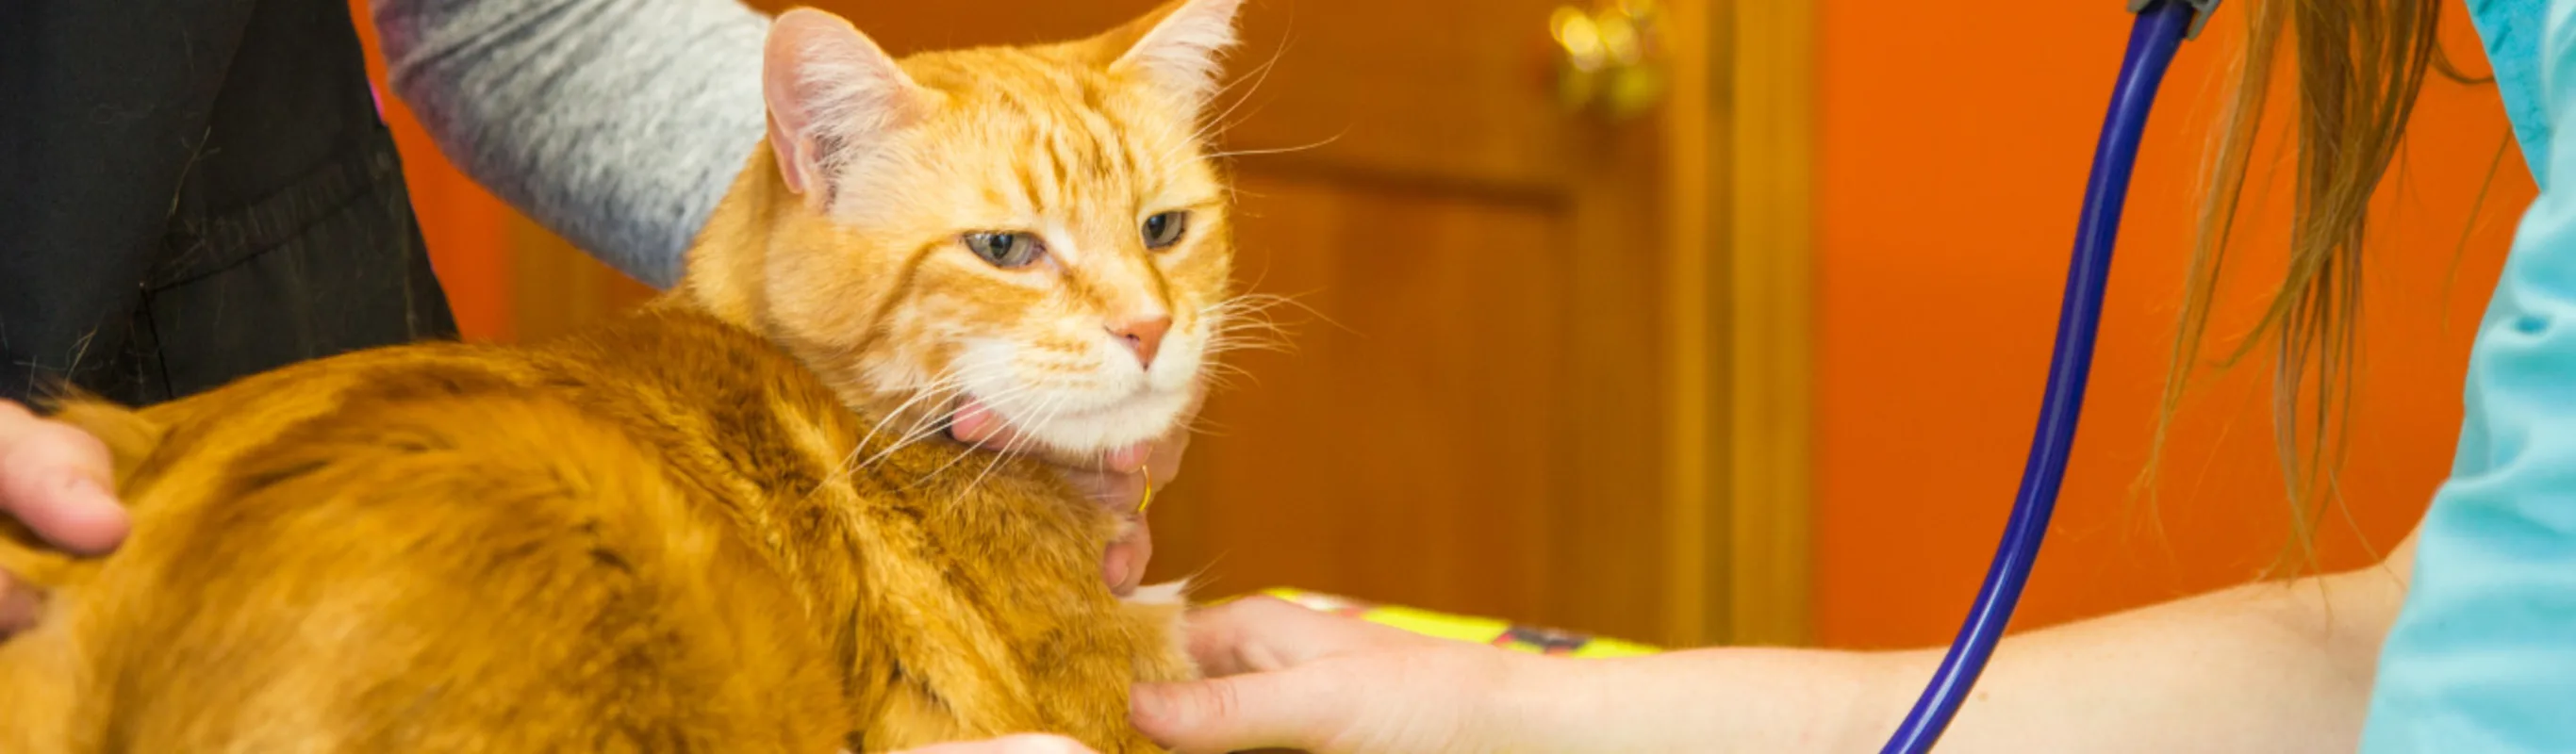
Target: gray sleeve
616	123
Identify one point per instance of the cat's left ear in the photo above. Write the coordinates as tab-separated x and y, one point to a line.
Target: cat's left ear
1179	48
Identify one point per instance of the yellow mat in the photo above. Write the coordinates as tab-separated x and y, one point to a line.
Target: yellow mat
1497	632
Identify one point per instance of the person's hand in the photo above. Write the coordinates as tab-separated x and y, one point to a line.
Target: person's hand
57	481
1020	744
1285	676
1116	480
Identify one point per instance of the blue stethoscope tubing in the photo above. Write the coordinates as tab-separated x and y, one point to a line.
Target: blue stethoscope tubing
2159	33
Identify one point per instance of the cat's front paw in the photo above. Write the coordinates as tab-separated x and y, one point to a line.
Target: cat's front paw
1163	609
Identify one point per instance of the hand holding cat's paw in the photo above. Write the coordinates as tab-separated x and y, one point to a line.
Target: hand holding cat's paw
55	479
1022	744
1285	676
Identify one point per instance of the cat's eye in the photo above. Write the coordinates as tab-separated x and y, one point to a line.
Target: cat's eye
1005	250
1164	229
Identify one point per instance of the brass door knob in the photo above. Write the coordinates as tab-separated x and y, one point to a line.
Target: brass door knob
1611	59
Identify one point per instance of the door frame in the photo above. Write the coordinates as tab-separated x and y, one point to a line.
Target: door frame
1741	127
1739	124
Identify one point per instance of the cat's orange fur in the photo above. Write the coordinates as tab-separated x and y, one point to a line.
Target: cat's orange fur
702	527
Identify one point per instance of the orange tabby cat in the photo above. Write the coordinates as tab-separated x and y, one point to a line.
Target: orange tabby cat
716	524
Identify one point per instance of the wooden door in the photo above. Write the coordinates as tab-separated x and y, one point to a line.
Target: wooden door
1471	411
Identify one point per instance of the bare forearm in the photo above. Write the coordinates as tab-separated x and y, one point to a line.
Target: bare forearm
2272	667
1711	700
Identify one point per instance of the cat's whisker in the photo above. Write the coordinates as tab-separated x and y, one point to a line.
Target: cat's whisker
1251	328
1257	76
1222	376
1210	128
1257	324
1240	321
918	432
1047	413
1278	150
989	465
1252	333
1253	322
1006	453
1204	426
935	390
1244	301
1265	312
1267	300
1257	306
891	450
914	436
942	393
969	489
849	462
1218	346
1009	393
1206	134
931	422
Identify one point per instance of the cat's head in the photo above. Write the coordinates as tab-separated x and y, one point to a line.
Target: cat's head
1038	228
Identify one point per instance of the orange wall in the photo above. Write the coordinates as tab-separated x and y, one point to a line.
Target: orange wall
465	227
1953	151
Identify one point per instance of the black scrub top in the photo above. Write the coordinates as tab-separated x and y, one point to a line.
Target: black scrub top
192	191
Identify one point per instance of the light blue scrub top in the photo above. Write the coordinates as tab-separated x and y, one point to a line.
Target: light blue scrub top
2483	657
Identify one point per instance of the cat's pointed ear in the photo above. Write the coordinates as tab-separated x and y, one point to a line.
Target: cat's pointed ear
833	96
1179	47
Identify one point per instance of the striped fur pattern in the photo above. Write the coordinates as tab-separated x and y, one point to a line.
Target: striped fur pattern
726	522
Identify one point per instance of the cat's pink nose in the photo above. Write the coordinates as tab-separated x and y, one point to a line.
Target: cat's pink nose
1143	335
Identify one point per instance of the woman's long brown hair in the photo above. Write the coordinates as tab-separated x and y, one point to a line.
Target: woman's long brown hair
2357	66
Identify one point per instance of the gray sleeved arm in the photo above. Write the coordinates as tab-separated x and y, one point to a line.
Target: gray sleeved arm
616	123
